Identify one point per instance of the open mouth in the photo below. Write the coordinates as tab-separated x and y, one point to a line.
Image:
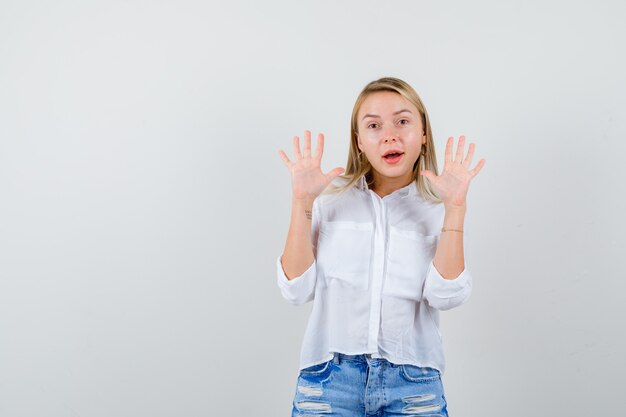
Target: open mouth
393	155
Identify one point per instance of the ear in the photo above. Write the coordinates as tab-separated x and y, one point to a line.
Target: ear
358	142
424	139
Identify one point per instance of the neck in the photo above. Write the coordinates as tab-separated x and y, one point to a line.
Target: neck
386	185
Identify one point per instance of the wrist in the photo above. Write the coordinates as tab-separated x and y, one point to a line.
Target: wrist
452	208
305	202
454	218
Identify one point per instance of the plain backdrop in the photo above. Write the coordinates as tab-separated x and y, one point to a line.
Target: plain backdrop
143	202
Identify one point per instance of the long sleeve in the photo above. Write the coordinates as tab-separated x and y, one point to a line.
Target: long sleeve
301	289
444	294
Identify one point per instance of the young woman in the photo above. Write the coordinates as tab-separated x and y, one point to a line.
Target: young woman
379	250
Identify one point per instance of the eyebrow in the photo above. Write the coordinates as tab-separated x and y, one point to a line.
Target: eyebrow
375	115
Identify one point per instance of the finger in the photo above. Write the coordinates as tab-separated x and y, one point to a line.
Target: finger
476	170
460	149
320	146
470	153
296	148
307	144
334	173
285	159
448	154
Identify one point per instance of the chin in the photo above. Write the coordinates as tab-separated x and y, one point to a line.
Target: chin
395	172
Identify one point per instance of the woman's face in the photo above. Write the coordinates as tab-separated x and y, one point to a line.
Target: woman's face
386	122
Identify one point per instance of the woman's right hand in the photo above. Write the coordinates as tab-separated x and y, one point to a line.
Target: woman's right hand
307	179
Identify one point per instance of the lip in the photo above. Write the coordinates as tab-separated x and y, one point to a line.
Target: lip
395	160
392	151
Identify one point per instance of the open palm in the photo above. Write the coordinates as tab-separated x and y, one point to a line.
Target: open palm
307	178
453	183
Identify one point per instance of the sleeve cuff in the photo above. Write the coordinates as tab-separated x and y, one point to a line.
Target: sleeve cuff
444	294
297	290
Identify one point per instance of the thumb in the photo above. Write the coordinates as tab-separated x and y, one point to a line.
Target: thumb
428	174
334	173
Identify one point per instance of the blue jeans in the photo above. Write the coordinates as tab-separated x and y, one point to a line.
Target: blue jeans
359	385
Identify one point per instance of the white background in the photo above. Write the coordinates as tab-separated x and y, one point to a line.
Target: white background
143	202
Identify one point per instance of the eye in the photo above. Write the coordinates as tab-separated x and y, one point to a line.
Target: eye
372	124
404	120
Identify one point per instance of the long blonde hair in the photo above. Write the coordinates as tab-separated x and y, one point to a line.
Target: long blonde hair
357	161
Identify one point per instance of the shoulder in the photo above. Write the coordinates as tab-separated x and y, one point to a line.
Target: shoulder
340	181
337	189
337	197
428	207
425	201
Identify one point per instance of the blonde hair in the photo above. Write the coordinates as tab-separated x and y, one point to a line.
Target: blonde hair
357	161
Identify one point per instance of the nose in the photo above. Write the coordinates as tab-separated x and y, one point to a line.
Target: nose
389	135
390	138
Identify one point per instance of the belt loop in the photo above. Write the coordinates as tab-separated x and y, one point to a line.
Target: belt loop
336	358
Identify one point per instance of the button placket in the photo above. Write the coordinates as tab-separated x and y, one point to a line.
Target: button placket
377	271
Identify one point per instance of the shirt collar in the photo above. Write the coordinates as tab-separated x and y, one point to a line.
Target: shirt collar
407	190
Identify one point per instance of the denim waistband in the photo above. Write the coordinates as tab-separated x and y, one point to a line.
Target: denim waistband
338	357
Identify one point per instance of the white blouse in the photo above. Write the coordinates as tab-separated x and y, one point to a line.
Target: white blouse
373	283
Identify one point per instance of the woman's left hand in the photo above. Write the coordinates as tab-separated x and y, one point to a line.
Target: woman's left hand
452	184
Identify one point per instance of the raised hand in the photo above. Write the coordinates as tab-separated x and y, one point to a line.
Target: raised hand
307	178
453	183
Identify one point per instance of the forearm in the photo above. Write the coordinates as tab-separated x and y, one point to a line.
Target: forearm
298	253
449	259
